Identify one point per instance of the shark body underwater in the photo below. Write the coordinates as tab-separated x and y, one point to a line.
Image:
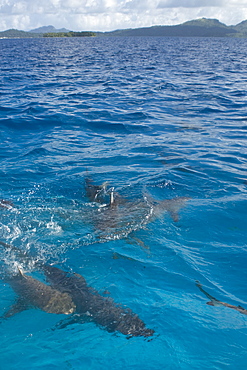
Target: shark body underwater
6	204
103	311
215	302
68	293
34	293
120	216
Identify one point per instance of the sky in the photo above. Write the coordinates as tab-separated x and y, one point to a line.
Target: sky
108	15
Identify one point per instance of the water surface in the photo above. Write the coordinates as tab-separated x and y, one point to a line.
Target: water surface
157	118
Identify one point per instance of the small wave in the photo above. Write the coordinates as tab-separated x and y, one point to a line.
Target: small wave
36	152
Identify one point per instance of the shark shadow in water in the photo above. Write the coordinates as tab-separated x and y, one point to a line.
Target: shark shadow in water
71	288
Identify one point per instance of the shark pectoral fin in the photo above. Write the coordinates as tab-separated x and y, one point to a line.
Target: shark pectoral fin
17	307
210	303
75	319
215	302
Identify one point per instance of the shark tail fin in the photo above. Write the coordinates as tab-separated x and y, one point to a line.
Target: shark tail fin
174	205
17	307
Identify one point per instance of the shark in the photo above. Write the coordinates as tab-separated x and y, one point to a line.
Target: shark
110	199
117	216
90	304
69	293
215	302
6	204
32	293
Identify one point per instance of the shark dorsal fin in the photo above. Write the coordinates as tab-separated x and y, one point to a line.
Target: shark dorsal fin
21	273
104	185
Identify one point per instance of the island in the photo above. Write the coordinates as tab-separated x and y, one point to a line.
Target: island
70	34
202	27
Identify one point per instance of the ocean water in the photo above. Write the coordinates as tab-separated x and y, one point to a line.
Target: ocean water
157	119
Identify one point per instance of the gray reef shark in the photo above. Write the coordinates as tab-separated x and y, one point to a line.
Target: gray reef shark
117	217
215	302
34	293
69	293
91	305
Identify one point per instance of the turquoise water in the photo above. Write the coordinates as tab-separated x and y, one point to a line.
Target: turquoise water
157	118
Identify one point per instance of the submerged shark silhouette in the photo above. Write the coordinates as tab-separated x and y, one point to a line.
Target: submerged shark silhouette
6	204
119	216
103	311
110	199
69	293
34	293
98	193
215	302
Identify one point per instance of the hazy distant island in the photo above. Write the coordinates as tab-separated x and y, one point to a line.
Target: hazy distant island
202	27
47	31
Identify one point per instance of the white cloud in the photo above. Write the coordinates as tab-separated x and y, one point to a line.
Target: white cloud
104	15
201	3
190	3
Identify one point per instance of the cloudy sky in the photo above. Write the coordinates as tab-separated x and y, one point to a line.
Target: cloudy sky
106	15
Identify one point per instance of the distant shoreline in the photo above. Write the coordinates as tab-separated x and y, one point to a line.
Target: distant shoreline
202	27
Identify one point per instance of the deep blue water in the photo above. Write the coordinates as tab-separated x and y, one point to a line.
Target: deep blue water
157	118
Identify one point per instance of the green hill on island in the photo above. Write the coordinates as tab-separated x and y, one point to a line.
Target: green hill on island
46	29
202	27
13	33
196	28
